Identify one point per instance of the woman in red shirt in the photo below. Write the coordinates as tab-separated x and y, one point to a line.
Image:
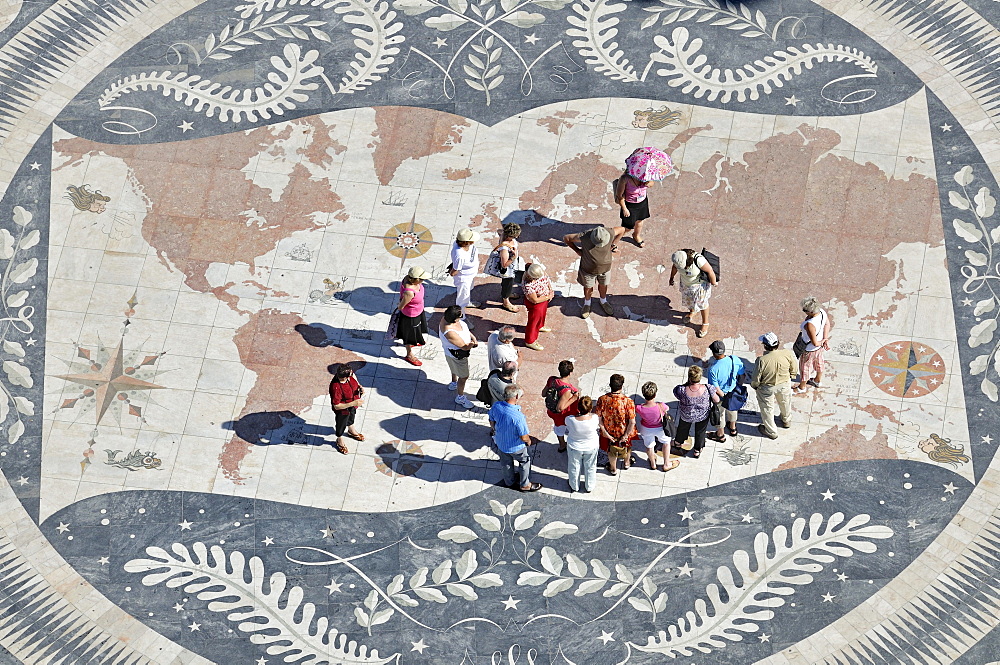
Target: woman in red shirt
345	398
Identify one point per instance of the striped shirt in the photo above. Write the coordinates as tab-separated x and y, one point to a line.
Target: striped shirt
510	425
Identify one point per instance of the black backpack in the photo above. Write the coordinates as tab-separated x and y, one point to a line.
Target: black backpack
552	394
713	260
483	394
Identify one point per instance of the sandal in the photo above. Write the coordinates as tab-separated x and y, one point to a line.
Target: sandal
511	308
532	487
610	470
674	463
652	465
639	243
341	448
356	437
696	453
614	247
686	318
731	431
715	437
702	331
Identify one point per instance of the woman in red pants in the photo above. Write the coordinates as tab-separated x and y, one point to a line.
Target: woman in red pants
537	294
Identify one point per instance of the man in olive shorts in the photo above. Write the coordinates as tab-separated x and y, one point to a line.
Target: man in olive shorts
594	249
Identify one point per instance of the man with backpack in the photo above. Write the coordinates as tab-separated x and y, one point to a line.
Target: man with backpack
560	400
724	374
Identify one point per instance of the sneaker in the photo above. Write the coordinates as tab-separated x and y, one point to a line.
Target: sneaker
764	432
585	314
462	400
608	309
534	346
453	385
782	423
814	384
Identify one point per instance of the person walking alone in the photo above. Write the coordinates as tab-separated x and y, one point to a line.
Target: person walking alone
772	379
630	195
594	249
509	430
345	398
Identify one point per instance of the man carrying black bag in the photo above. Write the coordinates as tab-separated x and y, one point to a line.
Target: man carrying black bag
724	374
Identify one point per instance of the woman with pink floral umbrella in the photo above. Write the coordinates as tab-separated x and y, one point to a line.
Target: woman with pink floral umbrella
642	168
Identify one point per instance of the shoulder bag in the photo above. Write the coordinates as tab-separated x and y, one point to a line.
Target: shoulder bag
392	332
736	398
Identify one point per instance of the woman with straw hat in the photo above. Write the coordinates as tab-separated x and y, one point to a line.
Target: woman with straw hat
412	322
464	266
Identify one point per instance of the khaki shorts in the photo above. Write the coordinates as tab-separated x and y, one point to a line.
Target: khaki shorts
458	366
588	281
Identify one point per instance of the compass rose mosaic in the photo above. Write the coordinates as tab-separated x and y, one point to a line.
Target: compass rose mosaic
408	240
907	369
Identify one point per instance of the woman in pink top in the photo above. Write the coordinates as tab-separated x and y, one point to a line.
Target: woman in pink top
412	321
630	195
649	417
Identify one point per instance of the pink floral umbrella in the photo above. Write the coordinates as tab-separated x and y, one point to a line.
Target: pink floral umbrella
649	164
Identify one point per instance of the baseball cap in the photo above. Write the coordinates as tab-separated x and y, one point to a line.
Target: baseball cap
769	338
717	347
600	236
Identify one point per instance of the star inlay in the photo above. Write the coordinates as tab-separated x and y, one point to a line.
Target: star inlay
108	382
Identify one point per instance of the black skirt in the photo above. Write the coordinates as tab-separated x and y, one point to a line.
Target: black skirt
637	212
411	329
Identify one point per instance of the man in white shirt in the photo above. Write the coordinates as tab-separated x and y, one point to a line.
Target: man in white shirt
500	347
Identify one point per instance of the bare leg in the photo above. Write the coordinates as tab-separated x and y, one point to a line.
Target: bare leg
562	443
409	351
461	384
651	454
637	231
602	289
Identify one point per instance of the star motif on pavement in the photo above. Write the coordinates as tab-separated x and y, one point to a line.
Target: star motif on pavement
531	39
685	569
333	586
967	302
268	540
419	646
792	101
950	488
828	597
261	661
108	381
63	527
185	525
748	518
841	577
912	524
606	637
22	481
764	638
195	626
104	561
828	495
178	607
185	126
35	166
327	532
946	127
440	42
510	603
686	515
31	341
987	439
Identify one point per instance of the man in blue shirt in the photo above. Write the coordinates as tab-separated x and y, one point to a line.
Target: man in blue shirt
509	429
724	374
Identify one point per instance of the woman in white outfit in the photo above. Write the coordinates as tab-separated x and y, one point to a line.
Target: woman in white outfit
582	443
464	266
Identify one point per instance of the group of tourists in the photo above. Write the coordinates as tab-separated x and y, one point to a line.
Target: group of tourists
708	401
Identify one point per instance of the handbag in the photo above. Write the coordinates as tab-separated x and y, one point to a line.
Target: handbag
392	332
669	425
799	347
483	394
715	414
736	398
493	266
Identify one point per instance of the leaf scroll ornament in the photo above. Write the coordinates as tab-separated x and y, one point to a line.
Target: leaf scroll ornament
289	629
758	583
981	273
594	30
